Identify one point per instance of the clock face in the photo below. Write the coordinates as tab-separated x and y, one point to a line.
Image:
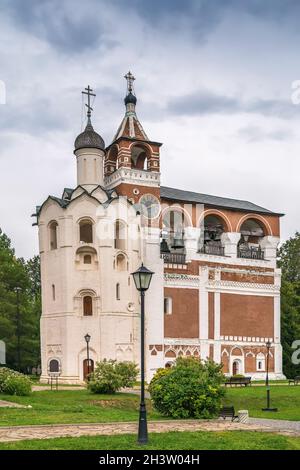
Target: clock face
150	206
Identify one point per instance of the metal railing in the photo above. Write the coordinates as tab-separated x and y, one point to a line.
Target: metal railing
251	253
173	258
217	250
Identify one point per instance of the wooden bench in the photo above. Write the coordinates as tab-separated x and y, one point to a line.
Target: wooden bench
295	381
238	381
228	412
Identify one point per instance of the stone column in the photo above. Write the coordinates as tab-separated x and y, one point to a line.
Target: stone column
191	237
230	240
269	245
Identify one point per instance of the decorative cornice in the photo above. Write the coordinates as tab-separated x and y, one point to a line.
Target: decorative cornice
235	285
181	280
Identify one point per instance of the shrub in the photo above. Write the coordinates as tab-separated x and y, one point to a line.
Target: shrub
189	389
128	372
14	383
110	376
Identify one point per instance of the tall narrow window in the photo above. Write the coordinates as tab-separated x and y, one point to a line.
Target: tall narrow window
118	291
120	235
87	305
53	292
168	305
53	235
86	231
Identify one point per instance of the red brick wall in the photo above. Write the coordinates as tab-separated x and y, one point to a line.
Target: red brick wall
247	315
184	320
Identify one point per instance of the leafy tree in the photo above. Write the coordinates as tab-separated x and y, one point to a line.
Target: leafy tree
20	307
289	261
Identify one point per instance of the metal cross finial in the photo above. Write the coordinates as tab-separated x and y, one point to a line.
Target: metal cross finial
89	93
130	79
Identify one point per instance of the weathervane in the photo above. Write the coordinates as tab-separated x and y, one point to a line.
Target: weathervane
130	79
89	93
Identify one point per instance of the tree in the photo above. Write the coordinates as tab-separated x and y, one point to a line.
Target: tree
289	261
19	312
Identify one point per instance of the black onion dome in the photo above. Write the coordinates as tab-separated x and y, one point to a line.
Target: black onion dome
89	139
130	98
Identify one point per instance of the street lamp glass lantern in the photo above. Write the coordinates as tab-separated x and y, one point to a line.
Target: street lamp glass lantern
87	338
142	278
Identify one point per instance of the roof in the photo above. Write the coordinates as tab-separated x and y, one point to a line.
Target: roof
216	201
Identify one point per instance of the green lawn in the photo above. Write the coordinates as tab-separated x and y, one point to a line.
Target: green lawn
199	440
285	398
80	406
72	406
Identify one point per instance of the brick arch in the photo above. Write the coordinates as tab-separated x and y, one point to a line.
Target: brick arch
265	224
144	156
176	208
217	213
170	353
236	351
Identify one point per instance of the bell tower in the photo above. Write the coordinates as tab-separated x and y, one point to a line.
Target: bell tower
132	162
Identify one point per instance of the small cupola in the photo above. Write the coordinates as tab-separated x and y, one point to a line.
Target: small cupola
89	150
89	138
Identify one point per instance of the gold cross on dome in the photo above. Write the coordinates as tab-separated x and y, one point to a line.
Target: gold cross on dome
130	79
88	91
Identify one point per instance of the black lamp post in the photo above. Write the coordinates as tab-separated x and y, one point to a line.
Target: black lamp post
87	340
142	278
18	290
268	346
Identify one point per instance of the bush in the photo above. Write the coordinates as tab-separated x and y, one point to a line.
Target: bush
14	383
110	376
189	389
128	372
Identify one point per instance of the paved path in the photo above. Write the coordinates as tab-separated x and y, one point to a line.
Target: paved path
281	425
9	404
41	388
17	433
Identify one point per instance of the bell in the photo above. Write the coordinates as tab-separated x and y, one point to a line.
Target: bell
164	248
178	242
206	236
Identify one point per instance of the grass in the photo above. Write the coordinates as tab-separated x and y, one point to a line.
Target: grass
285	398
199	440
80	406
72	406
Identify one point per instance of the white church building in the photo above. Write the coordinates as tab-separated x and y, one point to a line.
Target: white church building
213	268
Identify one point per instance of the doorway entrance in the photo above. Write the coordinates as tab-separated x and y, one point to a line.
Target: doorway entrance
236	367
88	368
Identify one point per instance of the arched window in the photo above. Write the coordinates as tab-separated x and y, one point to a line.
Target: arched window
139	157
121	262
87	259
87	305
210	237
118	291
86	231
260	362
252	232
120	235
54	365
53	235
174	222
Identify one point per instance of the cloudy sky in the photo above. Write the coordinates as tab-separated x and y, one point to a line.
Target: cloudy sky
213	80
